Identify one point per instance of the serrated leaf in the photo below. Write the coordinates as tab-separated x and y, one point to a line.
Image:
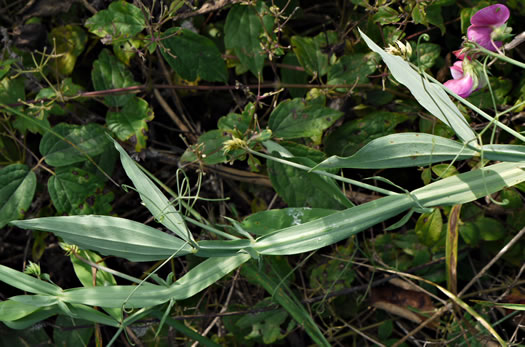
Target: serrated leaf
242	32
353	134
17	188
309	52
301	189
74	190
88	139
70	41
352	69
193	56
111	236
121	20
109	73
298	118
131	121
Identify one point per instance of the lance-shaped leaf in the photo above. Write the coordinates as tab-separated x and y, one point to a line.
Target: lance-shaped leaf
17	188
402	150
430	95
27	283
111	236
200	277
156	202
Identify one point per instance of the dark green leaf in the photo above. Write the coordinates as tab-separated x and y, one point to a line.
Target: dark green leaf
69	331
354	134
312	52
353	69
242	33
131	121
87	140
109	73
289	75
386	15
428	53
210	148
77	191
299	118
121	20
17	188
301	189
193	56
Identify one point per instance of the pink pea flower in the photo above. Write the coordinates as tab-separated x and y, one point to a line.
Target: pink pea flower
487	24
465	78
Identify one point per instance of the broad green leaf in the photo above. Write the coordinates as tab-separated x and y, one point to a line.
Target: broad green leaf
70	41
233	122
69	331
265	222
428	54
109	73
429	227
160	207
27	283
80	142
490	229
346	139
198	278
312	52
121	20
301	189
430	95
297	118
11	90
352	69
291	76
74	190
242	34
386	15
131	122
5	66
210	148
193	56
402	150
17	188
444	170
111	236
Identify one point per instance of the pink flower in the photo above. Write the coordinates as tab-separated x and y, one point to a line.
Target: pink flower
461	84
488	23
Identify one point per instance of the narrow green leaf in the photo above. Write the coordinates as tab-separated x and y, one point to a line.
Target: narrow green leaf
131	122
31	319
402	150
451	248
11	310
430	95
121	20
27	283
111	236
160	207
17	188
193	56
200	277
109	73
89	140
